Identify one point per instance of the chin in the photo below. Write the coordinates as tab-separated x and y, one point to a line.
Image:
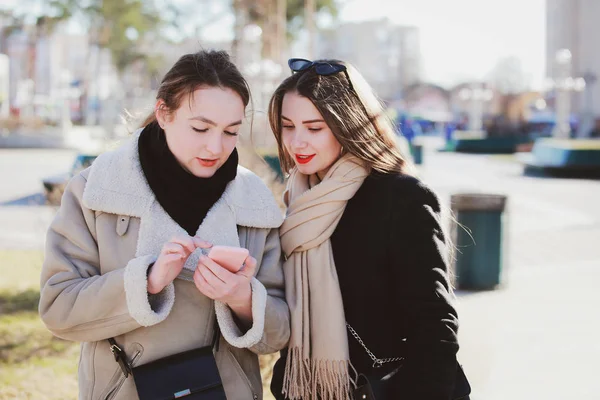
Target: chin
307	169
201	172
207	174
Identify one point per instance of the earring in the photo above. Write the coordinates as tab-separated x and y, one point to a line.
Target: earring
342	150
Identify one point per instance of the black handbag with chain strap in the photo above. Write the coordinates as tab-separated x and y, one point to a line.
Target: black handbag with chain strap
364	389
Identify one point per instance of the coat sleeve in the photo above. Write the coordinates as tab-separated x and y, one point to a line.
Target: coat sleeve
425	297
79	303
270	329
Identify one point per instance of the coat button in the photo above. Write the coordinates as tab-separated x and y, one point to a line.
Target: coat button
122	225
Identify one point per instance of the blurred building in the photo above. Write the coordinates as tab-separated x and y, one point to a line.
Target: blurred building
387	55
16	50
427	101
575	25
461	99
46	70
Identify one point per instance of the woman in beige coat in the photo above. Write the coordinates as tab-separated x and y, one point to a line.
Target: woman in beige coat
124	256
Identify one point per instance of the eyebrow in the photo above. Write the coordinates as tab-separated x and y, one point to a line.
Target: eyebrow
310	121
208	121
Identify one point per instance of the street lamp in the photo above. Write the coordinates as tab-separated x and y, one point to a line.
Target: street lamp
4	86
477	96
65	117
588	119
564	84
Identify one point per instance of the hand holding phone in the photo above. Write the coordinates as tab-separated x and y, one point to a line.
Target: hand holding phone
225	274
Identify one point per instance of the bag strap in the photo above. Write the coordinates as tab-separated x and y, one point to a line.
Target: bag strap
121	357
377	362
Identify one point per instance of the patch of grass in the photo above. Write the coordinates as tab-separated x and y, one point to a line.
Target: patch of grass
50	378
33	363
20	269
11	302
24	338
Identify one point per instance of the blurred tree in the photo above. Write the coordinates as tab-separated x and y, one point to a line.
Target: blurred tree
295	13
121	26
10	22
14	22
264	14
118	25
508	76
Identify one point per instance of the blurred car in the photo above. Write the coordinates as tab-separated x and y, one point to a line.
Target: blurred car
54	185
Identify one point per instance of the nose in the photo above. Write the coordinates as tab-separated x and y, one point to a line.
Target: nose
214	143
298	140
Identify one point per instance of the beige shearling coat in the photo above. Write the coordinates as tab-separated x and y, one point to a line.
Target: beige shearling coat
109	229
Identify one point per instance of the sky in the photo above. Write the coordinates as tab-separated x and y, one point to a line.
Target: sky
463	39
460	39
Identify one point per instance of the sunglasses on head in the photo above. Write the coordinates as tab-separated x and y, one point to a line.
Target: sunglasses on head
321	68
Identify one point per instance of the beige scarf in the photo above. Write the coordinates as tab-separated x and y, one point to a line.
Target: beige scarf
318	360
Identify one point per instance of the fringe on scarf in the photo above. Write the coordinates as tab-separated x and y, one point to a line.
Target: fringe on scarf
316	379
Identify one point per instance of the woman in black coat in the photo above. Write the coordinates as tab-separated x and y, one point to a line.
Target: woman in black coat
396	323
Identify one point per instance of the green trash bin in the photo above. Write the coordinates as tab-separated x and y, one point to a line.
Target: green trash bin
478	237
417	153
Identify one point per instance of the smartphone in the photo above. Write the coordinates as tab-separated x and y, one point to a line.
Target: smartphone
230	258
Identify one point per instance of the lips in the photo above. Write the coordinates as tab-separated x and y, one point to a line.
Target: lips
207	162
303	159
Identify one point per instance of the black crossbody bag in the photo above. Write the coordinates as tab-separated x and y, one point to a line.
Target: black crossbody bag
189	375
363	390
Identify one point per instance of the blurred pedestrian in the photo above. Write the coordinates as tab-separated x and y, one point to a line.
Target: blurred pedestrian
595	133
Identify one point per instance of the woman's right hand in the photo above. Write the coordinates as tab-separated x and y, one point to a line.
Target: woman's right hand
171	260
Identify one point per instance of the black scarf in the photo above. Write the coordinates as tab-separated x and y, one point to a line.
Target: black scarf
185	197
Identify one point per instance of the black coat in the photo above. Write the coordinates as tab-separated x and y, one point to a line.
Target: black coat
389	251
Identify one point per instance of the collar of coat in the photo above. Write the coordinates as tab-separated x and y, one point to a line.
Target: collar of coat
116	184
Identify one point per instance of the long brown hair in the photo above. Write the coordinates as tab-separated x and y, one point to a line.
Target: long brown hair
206	68
351	110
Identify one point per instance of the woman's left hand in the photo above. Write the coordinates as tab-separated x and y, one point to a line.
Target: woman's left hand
218	283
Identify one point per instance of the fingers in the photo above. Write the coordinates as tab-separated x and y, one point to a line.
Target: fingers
201	243
249	269
216	269
163	272
203	285
212	279
218	283
165	263
173	248
185	242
